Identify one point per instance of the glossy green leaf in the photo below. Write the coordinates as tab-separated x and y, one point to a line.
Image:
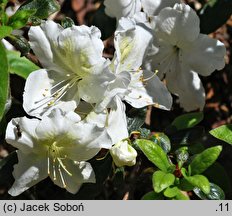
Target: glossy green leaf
43	8
205	159
182	155
162	180
184	185
5	31
216	193
144	133
136	118
223	133
188	120
152	195
162	140
67	22
187	136
155	154
175	193
20	18
21	44
219	176
4	80
214	14
199	181
20	65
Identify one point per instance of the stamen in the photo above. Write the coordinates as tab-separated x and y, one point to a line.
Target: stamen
149	78
63	166
62	177
48	164
54	171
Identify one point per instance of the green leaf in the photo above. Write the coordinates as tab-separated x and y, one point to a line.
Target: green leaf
4	80
20	18
144	133
20	43
162	140
136	118
187	136
155	154
223	133
175	193
153	196
188	120
204	160
162	180
67	22
218	175
216	193
20	65
43	8
199	181
214	14
182	155
5	31
185	185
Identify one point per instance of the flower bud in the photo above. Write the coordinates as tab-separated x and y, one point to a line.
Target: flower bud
123	154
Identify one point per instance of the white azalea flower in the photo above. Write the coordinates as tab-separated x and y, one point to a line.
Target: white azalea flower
182	53
123	154
71	57
113	119
57	146
138	87
128	8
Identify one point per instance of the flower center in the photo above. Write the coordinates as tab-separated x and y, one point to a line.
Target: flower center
55	163
57	92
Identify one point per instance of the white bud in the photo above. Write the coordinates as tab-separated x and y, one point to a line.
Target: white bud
123	154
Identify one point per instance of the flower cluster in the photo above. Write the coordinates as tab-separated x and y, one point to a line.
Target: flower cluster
77	100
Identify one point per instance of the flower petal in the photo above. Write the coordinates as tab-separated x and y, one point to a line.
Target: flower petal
88	142
117	122
148	91
20	133
187	85
152	7
92	88
119	87
122	8
37	98
60	49
178	25
30	170
82	172
205	55
131	43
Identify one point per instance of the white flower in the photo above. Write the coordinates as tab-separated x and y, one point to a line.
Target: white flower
57	146
123	154
71	57
128	8
182	53
113	119
137	87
